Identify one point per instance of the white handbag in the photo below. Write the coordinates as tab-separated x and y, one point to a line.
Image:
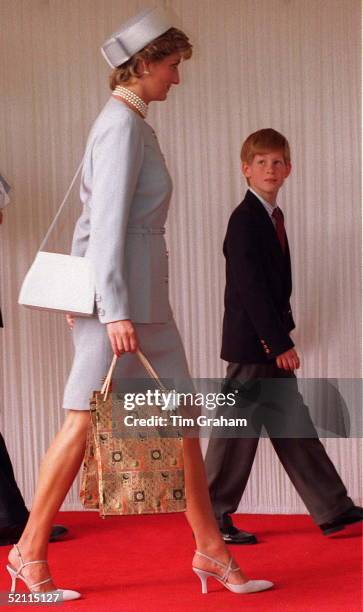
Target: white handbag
58	282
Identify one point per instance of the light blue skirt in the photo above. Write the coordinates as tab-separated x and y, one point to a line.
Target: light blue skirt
160	342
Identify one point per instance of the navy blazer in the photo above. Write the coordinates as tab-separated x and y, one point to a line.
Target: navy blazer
257	318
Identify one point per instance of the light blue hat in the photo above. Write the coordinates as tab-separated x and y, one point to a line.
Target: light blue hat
136	33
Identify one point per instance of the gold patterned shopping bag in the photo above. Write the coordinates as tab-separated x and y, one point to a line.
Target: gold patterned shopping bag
131	472
89	474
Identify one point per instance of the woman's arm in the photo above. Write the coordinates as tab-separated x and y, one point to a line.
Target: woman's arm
116	159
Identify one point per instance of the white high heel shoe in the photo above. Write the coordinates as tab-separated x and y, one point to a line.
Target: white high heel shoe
251	586
64	594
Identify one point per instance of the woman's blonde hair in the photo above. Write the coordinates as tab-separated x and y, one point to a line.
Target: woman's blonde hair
172	41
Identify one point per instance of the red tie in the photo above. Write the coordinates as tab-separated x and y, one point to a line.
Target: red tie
280	227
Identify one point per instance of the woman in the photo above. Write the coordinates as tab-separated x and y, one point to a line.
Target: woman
125	190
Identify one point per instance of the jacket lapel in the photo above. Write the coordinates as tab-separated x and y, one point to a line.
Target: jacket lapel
263	220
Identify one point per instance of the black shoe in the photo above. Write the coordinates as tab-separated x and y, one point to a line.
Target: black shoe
353	515
11	535
57	532
232	535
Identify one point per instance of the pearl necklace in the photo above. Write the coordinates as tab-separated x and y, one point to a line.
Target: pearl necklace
131	98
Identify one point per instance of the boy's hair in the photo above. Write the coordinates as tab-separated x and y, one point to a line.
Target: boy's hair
264	141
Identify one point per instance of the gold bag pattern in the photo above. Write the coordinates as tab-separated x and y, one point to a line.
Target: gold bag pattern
130	475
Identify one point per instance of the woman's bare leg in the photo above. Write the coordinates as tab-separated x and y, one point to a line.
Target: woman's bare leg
58	470
200	514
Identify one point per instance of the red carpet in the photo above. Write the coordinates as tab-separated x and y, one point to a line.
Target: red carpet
142	564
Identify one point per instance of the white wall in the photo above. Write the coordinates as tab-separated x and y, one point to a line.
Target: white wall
288	64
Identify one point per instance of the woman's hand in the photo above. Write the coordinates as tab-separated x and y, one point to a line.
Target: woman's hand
70	320
123	338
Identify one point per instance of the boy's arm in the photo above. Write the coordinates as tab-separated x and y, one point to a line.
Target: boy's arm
248	275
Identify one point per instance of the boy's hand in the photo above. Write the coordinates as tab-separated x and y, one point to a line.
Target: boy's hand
288	360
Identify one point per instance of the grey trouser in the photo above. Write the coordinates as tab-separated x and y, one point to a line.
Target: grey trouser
229	460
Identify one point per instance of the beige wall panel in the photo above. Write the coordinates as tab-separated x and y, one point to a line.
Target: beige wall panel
289	64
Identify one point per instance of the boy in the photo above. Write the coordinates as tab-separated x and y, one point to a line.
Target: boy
256	343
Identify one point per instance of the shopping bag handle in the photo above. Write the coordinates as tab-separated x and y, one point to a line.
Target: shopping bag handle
147	365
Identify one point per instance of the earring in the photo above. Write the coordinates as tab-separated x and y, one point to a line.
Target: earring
146	72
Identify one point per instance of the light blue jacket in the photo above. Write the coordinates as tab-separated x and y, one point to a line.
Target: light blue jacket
125	191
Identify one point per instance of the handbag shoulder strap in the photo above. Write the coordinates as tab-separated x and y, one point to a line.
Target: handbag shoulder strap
147	365
61	206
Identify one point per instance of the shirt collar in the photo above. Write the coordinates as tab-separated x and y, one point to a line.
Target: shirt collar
269	207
